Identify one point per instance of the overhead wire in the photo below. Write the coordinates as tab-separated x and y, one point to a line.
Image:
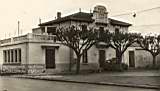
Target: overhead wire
140	11
147	25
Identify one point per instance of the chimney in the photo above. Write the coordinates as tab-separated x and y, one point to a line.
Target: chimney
58	15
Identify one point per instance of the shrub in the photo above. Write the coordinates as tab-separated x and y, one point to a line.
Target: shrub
111	65
150	67
124	66
115	67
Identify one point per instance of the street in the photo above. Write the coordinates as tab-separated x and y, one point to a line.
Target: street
17	84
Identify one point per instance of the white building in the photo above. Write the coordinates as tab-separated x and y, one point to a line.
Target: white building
40	51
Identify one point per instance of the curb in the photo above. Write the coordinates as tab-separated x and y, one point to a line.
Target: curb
96	83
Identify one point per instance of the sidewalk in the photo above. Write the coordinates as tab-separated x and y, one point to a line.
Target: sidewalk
140	79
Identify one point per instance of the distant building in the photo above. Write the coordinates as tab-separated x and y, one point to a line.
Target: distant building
39	51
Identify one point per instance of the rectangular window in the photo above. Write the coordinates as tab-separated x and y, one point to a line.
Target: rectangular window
15	55
85	57
84	27
19	55
51	30
117	31
8	56
12	56
5	56
101	31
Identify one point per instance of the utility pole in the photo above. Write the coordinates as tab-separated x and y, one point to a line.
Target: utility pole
90	10
18	27
39	20
79	9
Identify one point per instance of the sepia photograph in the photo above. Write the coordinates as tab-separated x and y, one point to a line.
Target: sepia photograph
80	45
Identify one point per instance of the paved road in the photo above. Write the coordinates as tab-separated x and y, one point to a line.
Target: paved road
15	84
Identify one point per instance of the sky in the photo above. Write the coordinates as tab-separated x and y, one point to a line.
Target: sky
28	12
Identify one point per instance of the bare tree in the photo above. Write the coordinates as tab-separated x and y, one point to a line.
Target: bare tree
77	38
120	42
151	44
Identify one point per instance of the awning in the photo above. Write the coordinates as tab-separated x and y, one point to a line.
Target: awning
102	45
50	46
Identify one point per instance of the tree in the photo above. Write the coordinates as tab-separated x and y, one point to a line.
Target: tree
150	44
77	38
120	42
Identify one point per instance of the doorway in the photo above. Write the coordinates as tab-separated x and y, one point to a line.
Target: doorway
50	58
131	59
102	57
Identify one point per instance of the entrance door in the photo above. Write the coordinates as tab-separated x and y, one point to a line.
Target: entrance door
50	58
102	57
131	59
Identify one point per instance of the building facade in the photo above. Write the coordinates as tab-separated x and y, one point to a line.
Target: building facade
40	51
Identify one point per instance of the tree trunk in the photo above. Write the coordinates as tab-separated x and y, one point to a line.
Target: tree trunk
119	61
154	61
70	65
119	57
26	67
78	64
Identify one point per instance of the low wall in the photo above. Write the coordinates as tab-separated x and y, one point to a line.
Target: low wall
87	66
36	68
5	69
21	69
41	68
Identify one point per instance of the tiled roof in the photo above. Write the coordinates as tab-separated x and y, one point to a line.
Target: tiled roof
135	45
82	16
117	22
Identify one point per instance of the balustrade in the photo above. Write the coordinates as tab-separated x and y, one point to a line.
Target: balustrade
29	37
